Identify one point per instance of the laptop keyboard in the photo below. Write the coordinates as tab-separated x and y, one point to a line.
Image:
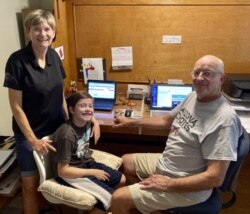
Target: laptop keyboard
103	106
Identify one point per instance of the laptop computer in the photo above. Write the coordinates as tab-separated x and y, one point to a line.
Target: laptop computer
103	93
165	97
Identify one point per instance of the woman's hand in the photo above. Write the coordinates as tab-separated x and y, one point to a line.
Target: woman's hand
42	146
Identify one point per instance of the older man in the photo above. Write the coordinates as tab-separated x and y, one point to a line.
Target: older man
204	132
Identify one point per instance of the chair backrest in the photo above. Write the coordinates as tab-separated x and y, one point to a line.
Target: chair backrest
230	181
40	165
44	164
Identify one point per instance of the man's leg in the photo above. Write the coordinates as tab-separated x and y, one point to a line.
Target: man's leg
128	168
122	202
96	211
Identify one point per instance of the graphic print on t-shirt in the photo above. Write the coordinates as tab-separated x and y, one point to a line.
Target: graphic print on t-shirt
185	119
82	151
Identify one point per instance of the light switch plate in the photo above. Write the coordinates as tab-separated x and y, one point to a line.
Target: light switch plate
171	39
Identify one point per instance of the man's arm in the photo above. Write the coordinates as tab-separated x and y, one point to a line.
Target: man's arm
152	122
212	177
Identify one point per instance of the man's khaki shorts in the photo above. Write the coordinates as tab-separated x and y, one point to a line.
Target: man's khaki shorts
147	201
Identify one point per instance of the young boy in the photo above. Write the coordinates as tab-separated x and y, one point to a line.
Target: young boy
75	167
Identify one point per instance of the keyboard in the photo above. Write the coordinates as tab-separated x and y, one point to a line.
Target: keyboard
103	106
157	113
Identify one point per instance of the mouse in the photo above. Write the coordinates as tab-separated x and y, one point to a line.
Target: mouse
128	112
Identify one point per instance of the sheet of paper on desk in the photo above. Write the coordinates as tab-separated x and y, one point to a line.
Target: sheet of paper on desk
245	119
122	58
137	114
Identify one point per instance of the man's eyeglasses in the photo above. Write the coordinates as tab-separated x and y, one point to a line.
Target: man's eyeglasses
204	74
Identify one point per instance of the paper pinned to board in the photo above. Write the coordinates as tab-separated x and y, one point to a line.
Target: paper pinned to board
122	58
92	68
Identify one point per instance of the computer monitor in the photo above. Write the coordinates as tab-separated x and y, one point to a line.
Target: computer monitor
167	97
103	93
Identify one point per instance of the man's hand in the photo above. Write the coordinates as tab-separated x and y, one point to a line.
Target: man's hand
121	121
158	183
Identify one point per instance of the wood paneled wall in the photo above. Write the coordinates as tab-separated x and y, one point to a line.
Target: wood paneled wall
218	27
62	36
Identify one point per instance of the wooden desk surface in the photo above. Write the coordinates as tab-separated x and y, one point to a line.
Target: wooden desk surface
106	121
126	140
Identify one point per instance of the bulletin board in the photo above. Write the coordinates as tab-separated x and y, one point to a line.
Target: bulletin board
221	29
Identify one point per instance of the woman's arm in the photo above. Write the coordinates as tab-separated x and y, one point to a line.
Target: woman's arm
65	108
15	99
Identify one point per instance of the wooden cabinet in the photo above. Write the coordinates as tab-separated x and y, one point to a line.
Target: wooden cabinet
62	36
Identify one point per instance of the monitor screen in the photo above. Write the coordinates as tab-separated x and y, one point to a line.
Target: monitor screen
167	97
102	89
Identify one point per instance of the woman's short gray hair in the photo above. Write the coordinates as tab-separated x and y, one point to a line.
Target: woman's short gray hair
38	16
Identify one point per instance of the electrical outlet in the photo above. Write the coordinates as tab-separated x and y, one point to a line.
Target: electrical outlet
167	39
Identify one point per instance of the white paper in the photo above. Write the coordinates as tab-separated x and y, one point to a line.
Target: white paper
122	58
6	166
60	52
92	69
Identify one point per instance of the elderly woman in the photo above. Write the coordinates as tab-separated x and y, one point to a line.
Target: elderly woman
34	76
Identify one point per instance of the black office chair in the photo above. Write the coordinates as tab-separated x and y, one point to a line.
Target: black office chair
214	203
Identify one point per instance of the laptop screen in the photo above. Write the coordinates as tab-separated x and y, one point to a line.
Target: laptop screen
167	97
102	89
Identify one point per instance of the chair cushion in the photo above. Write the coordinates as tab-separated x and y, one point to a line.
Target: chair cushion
106	158
59	194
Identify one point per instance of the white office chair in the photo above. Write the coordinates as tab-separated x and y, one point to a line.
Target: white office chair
56	193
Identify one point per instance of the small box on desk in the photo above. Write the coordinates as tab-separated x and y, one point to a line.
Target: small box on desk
137	92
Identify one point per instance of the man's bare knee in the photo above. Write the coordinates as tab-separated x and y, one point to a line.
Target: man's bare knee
128	164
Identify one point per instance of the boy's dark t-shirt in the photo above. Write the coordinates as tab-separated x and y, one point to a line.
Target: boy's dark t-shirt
72	144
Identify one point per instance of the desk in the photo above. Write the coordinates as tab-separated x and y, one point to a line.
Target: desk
124	140
106	121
